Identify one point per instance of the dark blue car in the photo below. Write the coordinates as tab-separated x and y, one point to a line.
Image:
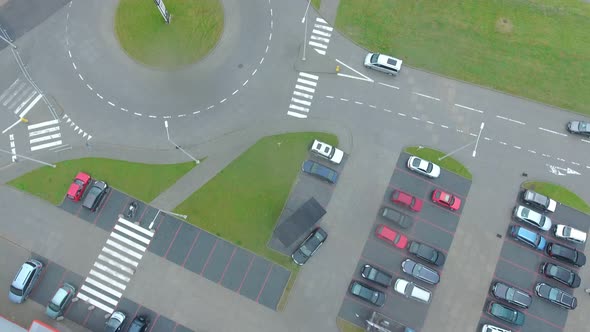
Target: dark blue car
319	170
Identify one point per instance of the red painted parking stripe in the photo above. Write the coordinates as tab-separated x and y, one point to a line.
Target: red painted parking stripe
175	326
209	257
136	311
516	265
381	267
428	181
143	213
154	323
173	239
156	230
247	271
264	283
191	249
452	233
227	265
102	205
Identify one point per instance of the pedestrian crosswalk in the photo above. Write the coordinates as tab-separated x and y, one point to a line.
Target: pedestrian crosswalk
303	95
20	97
320	36
44	135
115	265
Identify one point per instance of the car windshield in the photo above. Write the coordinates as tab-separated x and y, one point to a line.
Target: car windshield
525	213
583	126
94	191
53	306
553	293
429	167
510	293
16	291
78	182
372	274
567	231
305	250
374	58
413	201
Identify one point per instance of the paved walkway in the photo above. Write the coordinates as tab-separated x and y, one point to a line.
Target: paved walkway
329	9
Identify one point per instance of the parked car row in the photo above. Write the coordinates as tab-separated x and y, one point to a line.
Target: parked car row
29	275
533	211
97	190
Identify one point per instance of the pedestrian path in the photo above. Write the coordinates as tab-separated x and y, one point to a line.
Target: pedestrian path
303	95
44	135
20	97
320	36
115	265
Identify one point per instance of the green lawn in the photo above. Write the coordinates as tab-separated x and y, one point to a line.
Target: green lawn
537	49
143	181
244	201
559	193
316	4
449	163
194	30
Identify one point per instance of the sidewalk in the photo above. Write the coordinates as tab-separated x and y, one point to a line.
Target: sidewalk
328	10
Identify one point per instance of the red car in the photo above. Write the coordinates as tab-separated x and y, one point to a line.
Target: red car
78	187
445	199
390	236
402	198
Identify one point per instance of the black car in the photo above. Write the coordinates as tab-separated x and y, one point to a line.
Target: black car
579	127
511	295
309	246
375	275
427	253
556	295
95	195
139	324
320	171
420	272
566	254
506	314
561	274
367	293
397	217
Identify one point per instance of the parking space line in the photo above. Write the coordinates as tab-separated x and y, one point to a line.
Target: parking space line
265	280
545	321
102	205
428	181
246	274
381	267
143	213
94	303
46	267
154	323
192	246
209	257
436	226
173	239
137	310
227	265
516	265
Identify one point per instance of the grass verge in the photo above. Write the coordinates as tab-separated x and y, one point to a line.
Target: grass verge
536	49
346	326
143	181
244	201
195	28
558	193
449	163
316	4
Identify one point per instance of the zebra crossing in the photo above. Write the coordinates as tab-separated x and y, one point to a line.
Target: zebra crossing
320	36
302	95
115	265
44	135
20	97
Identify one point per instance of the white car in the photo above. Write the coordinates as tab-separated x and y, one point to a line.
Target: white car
532	217
327	151
423	167
412	291
383	63
569	233
492	328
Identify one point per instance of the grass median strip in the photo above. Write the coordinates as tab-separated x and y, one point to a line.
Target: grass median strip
143	181
536	49
559	194
244	201
449	163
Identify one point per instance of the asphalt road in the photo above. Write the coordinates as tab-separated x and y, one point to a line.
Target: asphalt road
382	114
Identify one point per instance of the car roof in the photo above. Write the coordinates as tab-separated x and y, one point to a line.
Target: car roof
386	232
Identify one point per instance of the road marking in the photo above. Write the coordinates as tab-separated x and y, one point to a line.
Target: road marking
45	138
74	64
254	72
94	302
99	96
123	249
101	296
321	33
81	78
316	44
304	88
511	120
244	84
364	77
358	102
33	103
325	40
560	159
222	100
120	257
89	87
532	151
372	106
583	140
468	108
323	27
304	95
107	279
343	99
389	86
517	147
331	97
430	122
110	103
303	81
297	115
426	96
307	75
546	155
104	287
42	124
300	101
577	164
415	118
138	114
551	131
116	264
43	131
132	234
210	107
299	108
446	127
233	93
503	143
386	110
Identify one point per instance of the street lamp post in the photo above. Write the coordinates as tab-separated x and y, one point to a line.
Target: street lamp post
178	146
304	20
474	153
27	158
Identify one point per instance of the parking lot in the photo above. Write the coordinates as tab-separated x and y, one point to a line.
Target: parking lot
194	249
518	266
433	225
54	275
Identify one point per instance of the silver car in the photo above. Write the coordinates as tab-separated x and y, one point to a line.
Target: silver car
383	63
532	217
60	301
423	167
420	272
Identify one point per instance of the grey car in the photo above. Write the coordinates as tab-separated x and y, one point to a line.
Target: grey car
511	295
375	275
60	300
396	217
367	293
95	195
556	295
420	272
25	280
579	127
427	253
